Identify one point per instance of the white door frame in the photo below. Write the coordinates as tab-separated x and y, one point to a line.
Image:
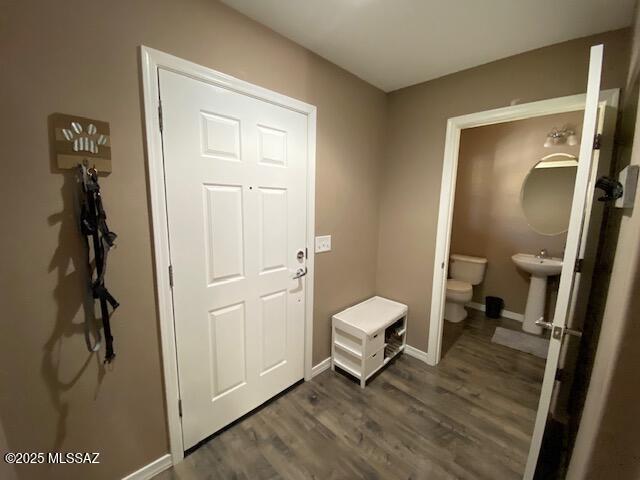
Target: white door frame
151	61
447	189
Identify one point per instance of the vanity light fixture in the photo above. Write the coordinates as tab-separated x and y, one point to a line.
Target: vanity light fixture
561	136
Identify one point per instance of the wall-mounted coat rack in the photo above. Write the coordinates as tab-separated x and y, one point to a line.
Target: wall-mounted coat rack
84	144
80	140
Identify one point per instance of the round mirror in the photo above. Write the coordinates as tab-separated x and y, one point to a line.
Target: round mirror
547	193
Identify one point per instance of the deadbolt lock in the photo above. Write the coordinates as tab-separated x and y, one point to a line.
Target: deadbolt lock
300	255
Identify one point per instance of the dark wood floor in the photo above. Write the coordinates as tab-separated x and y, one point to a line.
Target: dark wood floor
471	417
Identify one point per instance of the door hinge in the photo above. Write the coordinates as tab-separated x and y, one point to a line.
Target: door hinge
180	407
160	116
597	141
171	276
578	266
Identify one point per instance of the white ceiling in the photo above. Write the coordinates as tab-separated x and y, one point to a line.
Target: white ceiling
396	43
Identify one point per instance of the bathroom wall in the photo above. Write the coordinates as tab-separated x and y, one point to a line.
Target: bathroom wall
81	57
488	220
412	170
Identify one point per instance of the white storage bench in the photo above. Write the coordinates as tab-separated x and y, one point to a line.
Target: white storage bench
365	337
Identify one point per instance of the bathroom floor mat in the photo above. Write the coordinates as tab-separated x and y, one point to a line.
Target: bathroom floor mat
521	341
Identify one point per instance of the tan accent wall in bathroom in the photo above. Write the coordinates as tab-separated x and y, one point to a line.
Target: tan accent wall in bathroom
487	219
81	57
412	172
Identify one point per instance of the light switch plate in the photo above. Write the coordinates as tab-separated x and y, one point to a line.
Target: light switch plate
628	177
323	243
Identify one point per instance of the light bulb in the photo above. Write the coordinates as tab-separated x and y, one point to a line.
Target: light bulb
548	142
572	140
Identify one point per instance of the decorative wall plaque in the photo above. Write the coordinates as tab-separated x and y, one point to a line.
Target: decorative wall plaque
81	140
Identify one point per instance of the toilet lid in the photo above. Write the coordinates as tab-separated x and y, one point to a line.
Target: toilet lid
458	286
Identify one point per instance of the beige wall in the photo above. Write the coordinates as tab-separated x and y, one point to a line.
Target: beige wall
7	470
81	57
488	220
607	445
413	165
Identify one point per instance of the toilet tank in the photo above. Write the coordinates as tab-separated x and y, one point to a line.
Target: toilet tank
467	268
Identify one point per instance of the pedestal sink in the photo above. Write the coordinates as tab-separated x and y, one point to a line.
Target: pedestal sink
540	268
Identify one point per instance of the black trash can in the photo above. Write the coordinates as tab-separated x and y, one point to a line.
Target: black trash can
494	306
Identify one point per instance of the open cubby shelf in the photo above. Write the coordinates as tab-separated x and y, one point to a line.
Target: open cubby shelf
367	336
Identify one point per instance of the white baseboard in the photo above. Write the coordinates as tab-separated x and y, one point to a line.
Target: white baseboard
152	469
415	353
505	313
321	367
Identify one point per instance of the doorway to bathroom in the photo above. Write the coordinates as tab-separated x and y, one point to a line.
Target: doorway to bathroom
517	231
513	195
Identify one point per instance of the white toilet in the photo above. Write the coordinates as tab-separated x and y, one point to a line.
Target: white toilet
465	271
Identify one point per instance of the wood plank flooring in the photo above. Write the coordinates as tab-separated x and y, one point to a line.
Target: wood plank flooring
471	417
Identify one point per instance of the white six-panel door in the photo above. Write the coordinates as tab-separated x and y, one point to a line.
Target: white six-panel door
235	172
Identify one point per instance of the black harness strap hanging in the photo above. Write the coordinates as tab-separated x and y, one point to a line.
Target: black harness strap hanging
93	224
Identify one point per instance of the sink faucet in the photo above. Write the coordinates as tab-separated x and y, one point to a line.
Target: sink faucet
543	253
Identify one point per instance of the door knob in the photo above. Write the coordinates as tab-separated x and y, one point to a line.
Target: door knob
546	325
301	272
